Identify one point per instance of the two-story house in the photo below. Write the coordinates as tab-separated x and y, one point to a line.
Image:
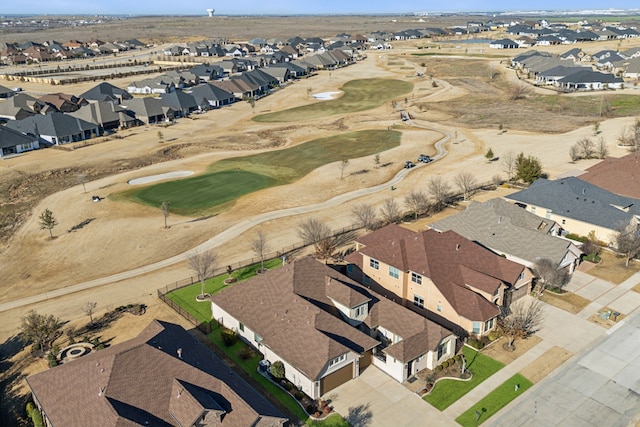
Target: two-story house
444	276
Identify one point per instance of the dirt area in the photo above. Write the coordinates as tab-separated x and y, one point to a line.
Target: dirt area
498	352
612	268
545	364
569	301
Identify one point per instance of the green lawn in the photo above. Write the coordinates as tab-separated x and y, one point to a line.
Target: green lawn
186	297
358	95
229	179
494	401
333	420
447	392
251	367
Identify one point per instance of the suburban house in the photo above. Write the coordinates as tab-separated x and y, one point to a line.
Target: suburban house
107	115
591	80
56	128
5	92
443	276
22	106
182	102
63	102
14	142
162	377
106	92
503	44
326	328
618	175
511	231
150	110
160	84
209	96
578	206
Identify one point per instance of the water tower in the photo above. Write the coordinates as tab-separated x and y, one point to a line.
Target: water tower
210	12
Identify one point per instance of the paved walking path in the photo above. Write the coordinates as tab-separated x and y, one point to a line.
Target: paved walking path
229	234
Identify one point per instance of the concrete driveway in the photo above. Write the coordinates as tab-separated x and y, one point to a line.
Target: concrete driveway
376	400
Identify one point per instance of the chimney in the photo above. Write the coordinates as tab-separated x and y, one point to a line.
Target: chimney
457	246
179	353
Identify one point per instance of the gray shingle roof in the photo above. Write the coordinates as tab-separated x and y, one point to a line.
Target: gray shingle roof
55	124
12	138
573	198
507	228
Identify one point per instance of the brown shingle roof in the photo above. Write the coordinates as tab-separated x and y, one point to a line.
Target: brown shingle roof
133	383
448	259
618	175
290	309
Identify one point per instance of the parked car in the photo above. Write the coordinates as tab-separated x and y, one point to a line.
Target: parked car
424	158
409	164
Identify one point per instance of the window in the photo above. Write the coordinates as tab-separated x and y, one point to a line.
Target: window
564	221
416	278
393	272
533	209
349	268
488	324
360	310
476	327
442	349
257	338
548	215
418	301
373	263
521	276
338	359
241	327
367	280
439	307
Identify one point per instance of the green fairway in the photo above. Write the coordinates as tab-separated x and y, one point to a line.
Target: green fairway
358	95
446	392
231	178
494	401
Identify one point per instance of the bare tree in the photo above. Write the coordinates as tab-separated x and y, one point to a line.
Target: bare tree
466	182
524	320
365	216
497	180
260	247
82	179
202	264
343	165
376	160
493	71
40	328
47	221
439	191
587	147
390	211
549	275
519	91
627	241
312	230
602	149
417	202
574	153
164	207
89	308
317	233
509	164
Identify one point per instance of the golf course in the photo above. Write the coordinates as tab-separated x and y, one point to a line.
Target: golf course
228	179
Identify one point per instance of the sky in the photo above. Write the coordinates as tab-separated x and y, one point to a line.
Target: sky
280	7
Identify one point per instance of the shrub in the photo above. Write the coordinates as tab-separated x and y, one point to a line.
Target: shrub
246	353
576	237
457	358
229	337
494	335
298	395
277	369
439	368
475	343
451	361
445	364
35	347
34	414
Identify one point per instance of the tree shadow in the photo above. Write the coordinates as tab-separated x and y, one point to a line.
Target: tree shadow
12	404
360	416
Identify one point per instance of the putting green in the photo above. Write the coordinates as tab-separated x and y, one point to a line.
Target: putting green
359	95
231	178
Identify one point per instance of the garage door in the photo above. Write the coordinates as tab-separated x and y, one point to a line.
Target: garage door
365	360
336	378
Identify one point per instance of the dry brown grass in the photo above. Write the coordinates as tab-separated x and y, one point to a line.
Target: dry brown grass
496	350
568	302
545	364
613	269
636	288
605	323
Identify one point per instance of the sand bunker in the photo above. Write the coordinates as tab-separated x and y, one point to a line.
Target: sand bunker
323	96
152	178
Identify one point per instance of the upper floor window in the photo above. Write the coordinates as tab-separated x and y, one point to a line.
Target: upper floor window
418	301
360	310
416	278
373	263
338	359
394	272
